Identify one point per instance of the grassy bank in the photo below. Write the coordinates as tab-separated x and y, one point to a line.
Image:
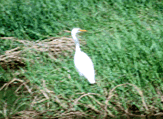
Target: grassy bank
124	40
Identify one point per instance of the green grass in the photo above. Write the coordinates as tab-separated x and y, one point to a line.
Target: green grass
124	40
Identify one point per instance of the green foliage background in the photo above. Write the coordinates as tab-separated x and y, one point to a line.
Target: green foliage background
124	40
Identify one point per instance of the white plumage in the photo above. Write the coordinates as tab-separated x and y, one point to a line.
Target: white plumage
83	63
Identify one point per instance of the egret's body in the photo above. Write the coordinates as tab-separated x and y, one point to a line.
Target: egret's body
83	63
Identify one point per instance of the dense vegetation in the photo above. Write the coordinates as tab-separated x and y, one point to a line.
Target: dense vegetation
124	40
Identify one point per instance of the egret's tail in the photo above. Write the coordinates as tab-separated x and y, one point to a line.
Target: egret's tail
92	81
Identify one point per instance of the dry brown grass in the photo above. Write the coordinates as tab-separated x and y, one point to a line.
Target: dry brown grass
45	97
53	46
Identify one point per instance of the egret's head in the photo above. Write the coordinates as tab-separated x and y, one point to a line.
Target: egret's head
76	30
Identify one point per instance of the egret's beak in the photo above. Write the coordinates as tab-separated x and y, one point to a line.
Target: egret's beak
83	30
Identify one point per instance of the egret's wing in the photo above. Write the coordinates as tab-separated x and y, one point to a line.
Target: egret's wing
84	65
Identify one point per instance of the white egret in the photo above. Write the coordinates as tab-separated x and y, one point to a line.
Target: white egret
83	63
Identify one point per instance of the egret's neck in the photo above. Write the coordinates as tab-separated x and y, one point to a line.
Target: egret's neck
76	42
77	47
